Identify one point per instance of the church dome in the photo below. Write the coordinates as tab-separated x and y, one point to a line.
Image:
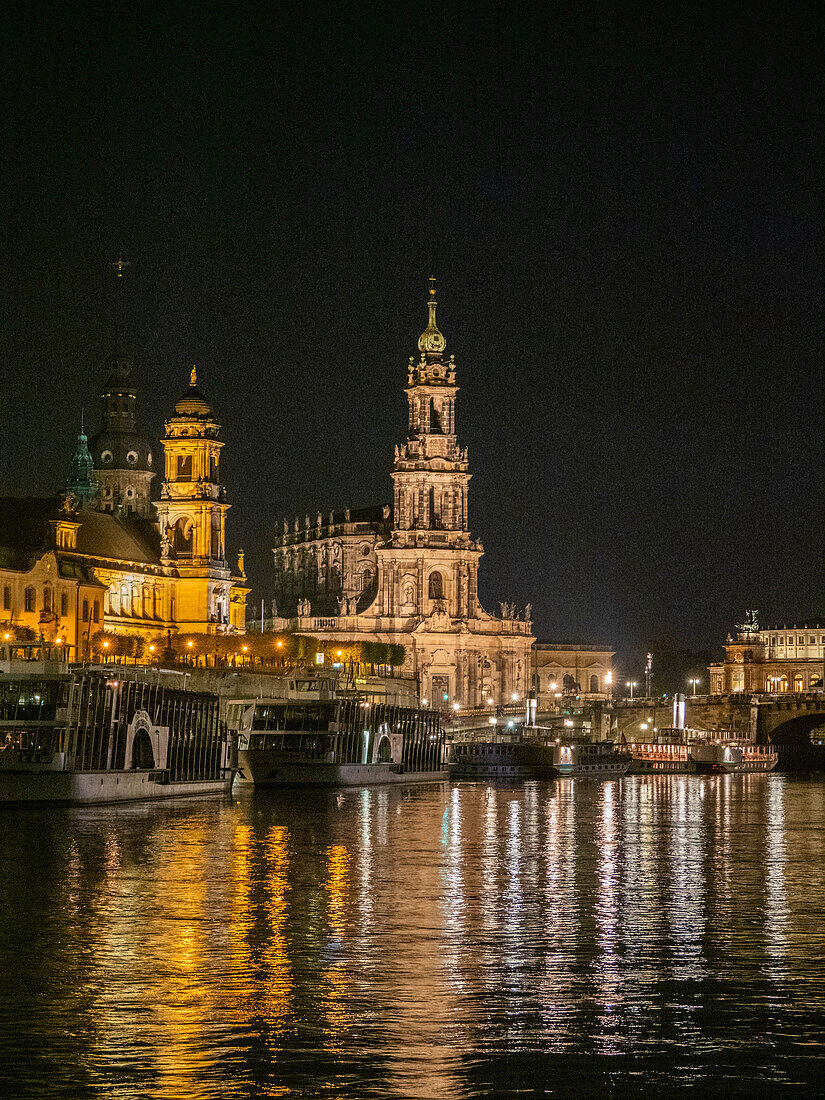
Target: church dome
193	403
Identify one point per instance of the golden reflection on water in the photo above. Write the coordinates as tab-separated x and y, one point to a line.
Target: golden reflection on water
336	979
407	936
185	1000
277	994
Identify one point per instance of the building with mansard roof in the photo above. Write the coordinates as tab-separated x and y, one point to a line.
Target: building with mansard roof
408	572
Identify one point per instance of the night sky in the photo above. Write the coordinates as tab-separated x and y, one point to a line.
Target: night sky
624	214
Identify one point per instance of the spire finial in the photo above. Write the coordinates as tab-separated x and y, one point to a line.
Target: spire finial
120	267
431	340
193	377
82	428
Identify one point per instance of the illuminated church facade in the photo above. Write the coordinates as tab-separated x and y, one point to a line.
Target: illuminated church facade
408	572
105	556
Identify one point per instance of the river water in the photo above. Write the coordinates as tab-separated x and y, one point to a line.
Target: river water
657	934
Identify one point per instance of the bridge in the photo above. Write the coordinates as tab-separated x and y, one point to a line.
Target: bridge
787	720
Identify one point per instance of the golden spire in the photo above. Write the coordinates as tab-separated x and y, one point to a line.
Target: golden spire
431	339
193	377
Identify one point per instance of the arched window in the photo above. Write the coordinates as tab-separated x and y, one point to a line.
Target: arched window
7	597
47	598
96	611
594	684
64	603
436	586
28	599
183	536
797	682
85	611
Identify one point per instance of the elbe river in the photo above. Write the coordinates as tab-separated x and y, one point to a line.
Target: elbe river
649	936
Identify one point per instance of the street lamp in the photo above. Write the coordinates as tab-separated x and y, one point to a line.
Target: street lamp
631	684
694	682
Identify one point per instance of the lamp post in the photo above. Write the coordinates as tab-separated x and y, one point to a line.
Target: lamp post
631	684
694	682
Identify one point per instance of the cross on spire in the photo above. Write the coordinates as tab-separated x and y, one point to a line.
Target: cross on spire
120	267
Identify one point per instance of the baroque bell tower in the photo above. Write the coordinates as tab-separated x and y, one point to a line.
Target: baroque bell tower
431	561
192	513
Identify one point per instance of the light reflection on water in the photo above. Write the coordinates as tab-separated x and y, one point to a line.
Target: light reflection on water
443	941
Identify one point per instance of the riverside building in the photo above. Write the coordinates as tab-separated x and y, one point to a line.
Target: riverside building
408	572
103	555
788	658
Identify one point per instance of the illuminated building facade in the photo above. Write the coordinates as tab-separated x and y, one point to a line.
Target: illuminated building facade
775	659
408	573
571	668
95	560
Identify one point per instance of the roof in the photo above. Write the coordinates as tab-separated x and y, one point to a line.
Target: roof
130	538
25	533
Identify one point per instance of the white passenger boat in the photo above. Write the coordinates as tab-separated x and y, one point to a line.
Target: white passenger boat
334	741
590	760
108	735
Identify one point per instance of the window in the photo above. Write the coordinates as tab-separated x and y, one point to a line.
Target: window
64	603
132	457
594	683
797	682
96	611
812	640
106	458
436	588
782	640
85	611
184	467
7	599
47	598
800	640
28	599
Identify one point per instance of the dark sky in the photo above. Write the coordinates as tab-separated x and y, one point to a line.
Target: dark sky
624	213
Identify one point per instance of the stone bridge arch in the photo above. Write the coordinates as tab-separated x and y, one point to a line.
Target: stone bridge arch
788	726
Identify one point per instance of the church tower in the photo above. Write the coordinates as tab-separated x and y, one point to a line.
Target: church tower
121	455
192	514
81	483
431	562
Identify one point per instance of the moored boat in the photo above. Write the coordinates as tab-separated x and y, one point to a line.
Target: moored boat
511	759
108	735
689	751
335	741
590	760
